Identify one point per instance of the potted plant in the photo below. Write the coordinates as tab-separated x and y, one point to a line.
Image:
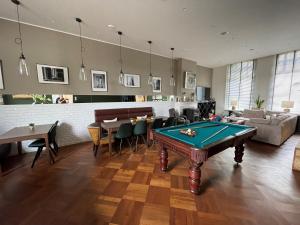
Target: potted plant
40	99
259	102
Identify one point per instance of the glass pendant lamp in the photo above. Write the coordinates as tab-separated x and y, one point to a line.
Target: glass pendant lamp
22	67
172	79
82	75
121	75
150	78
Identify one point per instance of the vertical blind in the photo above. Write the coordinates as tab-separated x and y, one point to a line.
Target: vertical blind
287	81
239	81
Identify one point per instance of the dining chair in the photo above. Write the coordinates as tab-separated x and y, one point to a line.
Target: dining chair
99	138
40	143
169	122
139	130
124	132
157	123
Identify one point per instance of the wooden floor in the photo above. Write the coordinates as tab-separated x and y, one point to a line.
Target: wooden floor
129	189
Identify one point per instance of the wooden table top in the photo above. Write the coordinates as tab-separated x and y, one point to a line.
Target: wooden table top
25	132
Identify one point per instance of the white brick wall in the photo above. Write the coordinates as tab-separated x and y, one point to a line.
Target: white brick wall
73	118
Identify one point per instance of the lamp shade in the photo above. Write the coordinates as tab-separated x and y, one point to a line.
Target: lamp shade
287	104
234	103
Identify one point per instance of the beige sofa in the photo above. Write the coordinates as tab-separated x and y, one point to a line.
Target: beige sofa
273	128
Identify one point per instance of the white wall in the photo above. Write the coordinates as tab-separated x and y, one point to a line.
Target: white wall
218	87
73	118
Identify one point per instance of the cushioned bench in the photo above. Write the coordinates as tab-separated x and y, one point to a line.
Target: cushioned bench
122	113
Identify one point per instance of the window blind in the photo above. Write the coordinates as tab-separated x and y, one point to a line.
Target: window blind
287	81
239	81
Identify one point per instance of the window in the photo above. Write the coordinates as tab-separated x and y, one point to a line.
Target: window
239	85
287	80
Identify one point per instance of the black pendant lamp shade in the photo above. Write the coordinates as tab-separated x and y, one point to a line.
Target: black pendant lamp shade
22	67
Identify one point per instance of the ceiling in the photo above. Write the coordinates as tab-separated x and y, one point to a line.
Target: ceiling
256	28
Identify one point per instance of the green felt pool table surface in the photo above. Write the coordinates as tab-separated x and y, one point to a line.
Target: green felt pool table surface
203	130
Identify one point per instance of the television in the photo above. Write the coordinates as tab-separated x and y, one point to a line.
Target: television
202	93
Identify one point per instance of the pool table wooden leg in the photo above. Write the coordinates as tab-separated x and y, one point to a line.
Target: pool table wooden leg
163	159
195	177
239	152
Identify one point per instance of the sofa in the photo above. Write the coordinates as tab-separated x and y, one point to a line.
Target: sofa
272	127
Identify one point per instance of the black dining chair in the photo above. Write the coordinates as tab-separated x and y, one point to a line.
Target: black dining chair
171	121
139	130
157	123
40	143
124	132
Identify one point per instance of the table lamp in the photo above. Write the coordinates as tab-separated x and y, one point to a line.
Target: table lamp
233	104
287	105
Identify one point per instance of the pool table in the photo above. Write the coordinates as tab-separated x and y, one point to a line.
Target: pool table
209	139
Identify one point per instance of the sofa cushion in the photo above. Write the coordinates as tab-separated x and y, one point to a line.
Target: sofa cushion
253	113
278	119
260	121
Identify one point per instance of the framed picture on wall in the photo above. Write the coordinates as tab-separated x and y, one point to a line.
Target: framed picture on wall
99	80
132	80
1	76
52	74
156	84
190	80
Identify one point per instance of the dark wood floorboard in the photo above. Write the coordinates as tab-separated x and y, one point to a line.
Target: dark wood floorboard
129	189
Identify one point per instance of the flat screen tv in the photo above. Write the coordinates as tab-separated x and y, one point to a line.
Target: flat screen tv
202	93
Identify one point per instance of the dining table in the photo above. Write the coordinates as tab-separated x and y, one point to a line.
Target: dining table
112	127
19	134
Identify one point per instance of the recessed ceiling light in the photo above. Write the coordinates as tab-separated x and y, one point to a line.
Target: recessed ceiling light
224	33
110	26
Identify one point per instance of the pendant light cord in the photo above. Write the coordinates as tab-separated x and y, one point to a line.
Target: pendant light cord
20	34
81	45
121	60
172	66
150	64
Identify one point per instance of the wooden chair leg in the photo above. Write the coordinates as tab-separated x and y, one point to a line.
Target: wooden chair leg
96	147
36	156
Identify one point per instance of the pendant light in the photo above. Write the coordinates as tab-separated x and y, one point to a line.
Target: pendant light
82	75
121	75
150	79
23	69
172	79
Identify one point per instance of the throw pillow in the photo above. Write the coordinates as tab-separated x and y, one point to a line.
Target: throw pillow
109	121
141	117
253	113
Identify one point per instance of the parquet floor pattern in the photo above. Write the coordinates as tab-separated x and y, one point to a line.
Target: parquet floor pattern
129	189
